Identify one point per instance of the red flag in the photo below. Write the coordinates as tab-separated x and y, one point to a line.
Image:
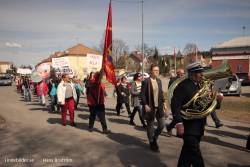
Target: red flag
107	51
174	53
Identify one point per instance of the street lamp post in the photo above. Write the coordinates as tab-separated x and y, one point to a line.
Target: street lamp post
142	43
77	49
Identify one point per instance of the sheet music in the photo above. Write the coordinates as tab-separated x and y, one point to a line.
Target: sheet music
220	84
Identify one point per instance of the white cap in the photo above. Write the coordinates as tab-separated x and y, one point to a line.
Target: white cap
196	66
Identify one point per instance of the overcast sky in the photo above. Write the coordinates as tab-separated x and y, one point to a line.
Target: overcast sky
32	30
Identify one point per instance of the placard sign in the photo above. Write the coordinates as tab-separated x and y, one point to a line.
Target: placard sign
23	71
67	70
60	62
94	60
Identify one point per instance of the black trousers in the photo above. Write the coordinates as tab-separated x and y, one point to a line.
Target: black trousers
94	109
137	108
118	108
171	125
190	153
77	102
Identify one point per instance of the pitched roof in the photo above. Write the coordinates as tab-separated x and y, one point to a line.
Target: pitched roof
235	42
80	49
137	56
4	62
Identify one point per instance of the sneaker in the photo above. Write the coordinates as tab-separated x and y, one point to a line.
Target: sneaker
64	124
152	147
219	125
106	131
54	111
132	123
155	143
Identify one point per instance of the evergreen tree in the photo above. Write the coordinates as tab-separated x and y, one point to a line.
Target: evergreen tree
156	56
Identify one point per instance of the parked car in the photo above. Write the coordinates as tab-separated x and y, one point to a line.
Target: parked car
5	80
130	77
234	89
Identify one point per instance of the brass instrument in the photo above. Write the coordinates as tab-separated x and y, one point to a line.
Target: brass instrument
204	101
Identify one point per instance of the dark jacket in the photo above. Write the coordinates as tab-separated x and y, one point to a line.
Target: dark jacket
26	84
145	98
172	81
181	95
122	90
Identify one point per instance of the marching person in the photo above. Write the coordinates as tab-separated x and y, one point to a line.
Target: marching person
191	129
115	93
41	91
26	84
123	96
66	95
156	106
79	91
53	94
135	91
180	73
97	105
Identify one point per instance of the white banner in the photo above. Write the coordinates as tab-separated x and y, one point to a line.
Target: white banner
60	62
67	70
23	71
94	60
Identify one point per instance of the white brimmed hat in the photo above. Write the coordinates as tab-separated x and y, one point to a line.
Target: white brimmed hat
196	66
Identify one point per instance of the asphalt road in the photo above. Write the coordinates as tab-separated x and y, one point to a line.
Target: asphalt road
35	134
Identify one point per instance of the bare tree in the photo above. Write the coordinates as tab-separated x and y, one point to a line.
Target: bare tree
149	51
118	48
189	49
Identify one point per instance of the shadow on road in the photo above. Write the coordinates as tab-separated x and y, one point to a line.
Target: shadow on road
246	129
216	141
129	157
245	94
227	134
234	165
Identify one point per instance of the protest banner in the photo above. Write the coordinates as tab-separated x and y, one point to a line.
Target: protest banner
23	71
94	60
67	70
60	62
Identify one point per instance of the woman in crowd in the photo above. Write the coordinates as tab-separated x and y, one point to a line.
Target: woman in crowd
53	94
115	94
66	95
154	104
79	90
41	92
87	83
96	103
123	96
26	85
135	91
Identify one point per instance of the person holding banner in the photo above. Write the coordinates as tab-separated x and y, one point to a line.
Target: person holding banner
97	105
66	95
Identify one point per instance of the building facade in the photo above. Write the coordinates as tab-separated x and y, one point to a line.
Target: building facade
236	51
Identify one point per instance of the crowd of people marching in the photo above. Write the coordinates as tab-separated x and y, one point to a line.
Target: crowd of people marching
146	98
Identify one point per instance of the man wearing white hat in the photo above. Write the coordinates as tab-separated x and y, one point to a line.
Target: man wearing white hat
191	129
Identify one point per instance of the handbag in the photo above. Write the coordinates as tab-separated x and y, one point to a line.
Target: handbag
146	115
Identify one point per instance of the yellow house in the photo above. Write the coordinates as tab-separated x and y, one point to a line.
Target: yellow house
77	57
4	66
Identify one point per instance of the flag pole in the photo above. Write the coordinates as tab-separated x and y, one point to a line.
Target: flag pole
104	52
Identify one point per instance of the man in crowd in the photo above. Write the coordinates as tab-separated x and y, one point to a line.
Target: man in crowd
191	129
180	73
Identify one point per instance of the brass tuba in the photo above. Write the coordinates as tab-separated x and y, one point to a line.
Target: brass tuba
204	101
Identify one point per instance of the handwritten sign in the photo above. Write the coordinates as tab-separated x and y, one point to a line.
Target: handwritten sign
94	60
60	62
23	71
67	70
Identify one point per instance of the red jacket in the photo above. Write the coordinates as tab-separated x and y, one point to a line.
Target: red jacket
94	89
45	88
